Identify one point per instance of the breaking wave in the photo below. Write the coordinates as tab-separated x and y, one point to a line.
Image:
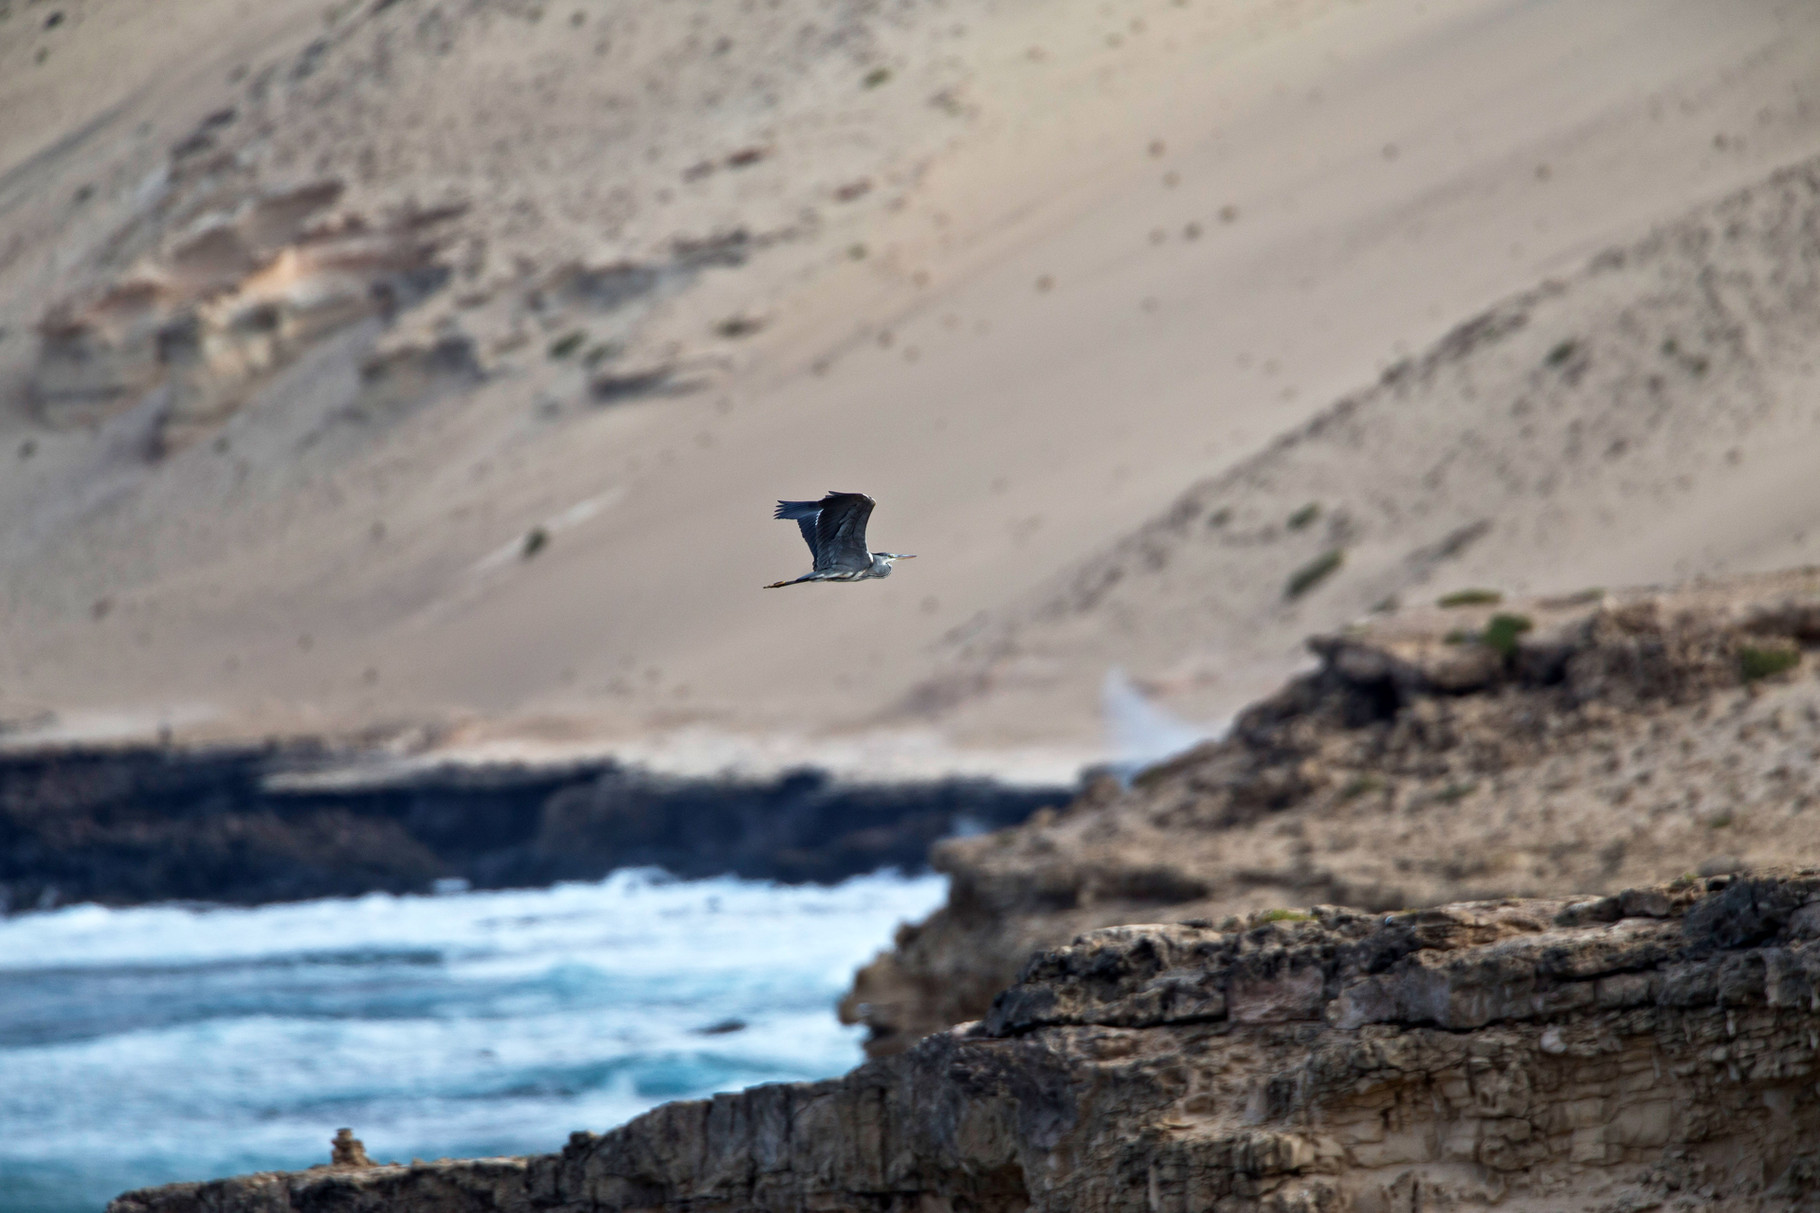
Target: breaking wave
159	1043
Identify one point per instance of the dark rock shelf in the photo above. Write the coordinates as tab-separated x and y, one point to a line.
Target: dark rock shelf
123	825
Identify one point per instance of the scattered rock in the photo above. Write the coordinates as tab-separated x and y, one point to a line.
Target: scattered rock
735	327
722	1027
346	1150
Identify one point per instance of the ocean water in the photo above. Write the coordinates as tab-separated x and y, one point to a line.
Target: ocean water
144	1045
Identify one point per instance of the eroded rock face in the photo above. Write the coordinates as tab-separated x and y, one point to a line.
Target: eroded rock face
231	301
1652	1049
1494	749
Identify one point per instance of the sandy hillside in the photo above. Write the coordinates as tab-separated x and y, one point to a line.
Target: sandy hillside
1655	415
314	314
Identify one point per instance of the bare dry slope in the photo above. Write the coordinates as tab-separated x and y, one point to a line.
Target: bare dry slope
1655	415
313	317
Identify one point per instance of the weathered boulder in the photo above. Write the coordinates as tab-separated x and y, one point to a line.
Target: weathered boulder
1659	1048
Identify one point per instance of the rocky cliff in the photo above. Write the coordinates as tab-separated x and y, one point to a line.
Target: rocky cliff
1473	749
1653	1049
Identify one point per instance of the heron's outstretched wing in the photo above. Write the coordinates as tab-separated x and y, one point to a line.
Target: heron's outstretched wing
804	513
840	532
834	528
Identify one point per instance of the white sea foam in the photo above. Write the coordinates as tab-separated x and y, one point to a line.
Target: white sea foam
165	1042
1140	732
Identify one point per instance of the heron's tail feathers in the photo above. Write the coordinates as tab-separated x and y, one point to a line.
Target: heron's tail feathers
797	509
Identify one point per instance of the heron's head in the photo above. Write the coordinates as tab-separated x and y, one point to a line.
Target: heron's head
882	562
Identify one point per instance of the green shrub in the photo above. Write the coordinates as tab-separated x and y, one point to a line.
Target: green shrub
1466	598
1313	573
1756	662
1502	632
1561	353
1304	517
1285	916
536	540
1360	785
567	344
735	327
876	77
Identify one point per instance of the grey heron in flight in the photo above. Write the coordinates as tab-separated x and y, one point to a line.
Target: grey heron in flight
835	530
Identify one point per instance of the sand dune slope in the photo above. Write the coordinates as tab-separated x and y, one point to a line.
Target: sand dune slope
314	319
1655	416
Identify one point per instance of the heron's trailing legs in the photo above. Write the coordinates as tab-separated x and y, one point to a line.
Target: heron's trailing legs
817	575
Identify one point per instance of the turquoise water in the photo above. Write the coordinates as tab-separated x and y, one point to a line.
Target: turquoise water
144	1045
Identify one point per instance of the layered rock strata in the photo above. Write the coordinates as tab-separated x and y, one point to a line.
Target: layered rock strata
1654	1049
234	302
1480	749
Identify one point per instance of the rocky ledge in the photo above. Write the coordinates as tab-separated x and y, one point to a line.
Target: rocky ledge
1653	1049
1479	748
252	824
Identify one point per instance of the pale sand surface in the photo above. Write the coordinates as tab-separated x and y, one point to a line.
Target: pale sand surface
1036	354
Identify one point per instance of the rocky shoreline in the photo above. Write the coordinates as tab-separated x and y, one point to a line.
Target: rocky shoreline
280	822
1653	1049
1548	1033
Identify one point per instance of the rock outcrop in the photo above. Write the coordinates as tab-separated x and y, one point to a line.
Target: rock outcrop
1652	1049
278	823
1481	749
231	303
